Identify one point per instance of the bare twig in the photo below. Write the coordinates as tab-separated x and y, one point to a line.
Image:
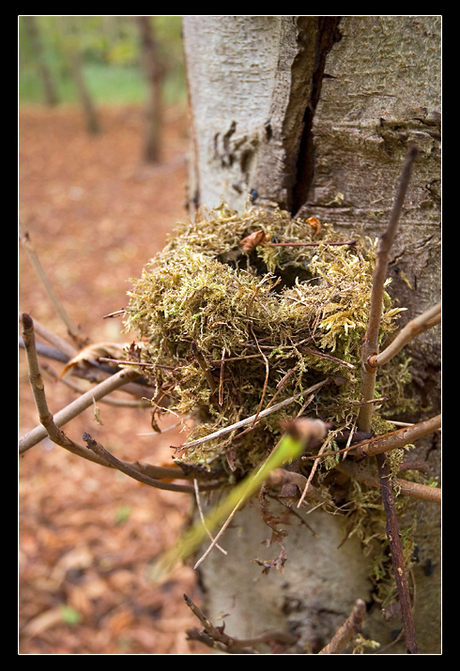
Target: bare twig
85	401
311	244
54	340
200	511
425	321
250	420
414	489
397	555
267	373
388	441
257	238
349	628
369	349
80	404
312	473
216	637
370	341
399	438
35	261
132	472
94	452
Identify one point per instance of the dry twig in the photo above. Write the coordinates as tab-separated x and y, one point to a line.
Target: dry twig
94	451
369	349
349	628
215	637
425	321
250	420
26	242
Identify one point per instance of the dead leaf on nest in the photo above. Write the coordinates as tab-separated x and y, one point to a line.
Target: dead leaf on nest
253	240
93	353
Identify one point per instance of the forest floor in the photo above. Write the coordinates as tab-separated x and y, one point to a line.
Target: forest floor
88	535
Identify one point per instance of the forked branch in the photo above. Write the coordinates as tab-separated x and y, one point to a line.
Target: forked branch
423	322
94	451
370	349
370	345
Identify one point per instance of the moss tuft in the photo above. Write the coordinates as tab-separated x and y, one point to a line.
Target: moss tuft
228	330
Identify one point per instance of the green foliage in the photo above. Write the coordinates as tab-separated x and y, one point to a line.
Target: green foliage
70	615
109	47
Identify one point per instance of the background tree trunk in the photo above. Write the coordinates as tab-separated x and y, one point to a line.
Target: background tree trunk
70	31
153	70
315	114
51	97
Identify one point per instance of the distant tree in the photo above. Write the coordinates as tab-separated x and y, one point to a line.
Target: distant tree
69	30
33	32
154	71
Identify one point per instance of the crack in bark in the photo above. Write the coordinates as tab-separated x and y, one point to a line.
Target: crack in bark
327	35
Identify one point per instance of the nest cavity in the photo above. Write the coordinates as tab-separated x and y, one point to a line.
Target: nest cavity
227	329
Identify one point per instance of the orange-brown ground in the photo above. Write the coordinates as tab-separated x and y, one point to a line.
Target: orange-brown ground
87	535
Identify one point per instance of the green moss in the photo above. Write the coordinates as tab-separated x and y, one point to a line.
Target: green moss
228	332
225	333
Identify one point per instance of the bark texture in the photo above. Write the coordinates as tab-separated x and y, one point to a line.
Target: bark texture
315	114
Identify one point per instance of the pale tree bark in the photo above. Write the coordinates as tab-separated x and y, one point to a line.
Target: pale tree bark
315	114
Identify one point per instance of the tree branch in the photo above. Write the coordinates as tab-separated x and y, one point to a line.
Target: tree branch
215	637
26	242
370	340
405	487
250	420
132	472
388	441
397	555
94	452
86	400
423	322
349	628
370	348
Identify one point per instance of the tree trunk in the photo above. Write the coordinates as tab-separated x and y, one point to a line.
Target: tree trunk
51	97
153	70
70	31
315	114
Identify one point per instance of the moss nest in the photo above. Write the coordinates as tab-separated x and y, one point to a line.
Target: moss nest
231	323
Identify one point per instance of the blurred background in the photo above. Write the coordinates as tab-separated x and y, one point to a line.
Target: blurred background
102	182
110	50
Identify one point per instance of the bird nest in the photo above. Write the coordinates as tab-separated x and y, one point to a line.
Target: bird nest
244	320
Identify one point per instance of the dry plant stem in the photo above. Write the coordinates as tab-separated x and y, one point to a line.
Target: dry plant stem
49	427
309	244
370	348
69	350
312	473
80	404
397	556
250	420
388	441
141	472
200	511
131	472
370	341
349	628
399	438
120	403
217	638
405	487
426	320
35	261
